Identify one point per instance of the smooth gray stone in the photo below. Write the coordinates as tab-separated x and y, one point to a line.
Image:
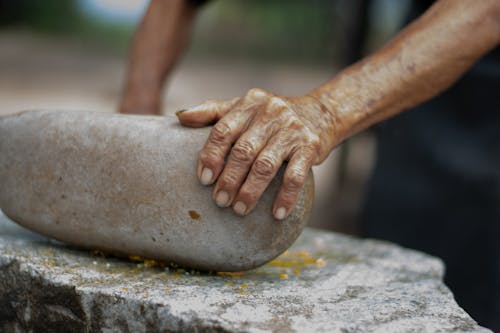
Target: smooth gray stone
127	185
364	286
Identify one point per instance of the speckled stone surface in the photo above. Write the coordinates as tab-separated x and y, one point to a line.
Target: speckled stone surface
326	282
128	184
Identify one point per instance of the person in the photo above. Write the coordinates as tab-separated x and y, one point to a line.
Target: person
436	165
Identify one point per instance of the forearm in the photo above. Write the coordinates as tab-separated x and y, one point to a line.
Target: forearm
423	60
255	134
157	44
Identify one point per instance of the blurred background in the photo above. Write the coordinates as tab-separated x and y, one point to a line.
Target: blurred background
72	54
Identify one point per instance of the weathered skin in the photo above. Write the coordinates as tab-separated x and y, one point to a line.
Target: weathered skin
127	184
256	132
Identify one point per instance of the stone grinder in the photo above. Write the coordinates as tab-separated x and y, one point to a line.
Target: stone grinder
127	185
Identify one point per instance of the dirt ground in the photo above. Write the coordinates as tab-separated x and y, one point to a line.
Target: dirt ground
38	72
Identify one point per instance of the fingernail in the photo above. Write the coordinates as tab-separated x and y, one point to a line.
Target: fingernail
280	213
177	113
222	199
240	208
206	176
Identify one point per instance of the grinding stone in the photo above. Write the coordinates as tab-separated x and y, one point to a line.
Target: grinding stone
127	185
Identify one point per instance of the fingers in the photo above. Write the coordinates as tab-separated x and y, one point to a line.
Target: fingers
222	136
206	113
293	180
225	132
263	170
265	130
239	162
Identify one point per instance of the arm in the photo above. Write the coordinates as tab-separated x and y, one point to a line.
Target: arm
157	44
267	129
422	61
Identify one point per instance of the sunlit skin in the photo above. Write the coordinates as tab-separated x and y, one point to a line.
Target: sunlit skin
157	44
260	131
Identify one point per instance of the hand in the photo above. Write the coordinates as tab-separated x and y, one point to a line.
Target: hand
259	132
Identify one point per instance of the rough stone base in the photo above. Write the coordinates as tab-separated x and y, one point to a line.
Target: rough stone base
325	283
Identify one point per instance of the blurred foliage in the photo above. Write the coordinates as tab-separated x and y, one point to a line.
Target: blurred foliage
309	31
281	30
47	15
62	18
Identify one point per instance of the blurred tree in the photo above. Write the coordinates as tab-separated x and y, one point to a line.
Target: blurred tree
315	32
64	17
312	32
46	15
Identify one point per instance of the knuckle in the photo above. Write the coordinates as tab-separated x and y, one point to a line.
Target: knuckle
314	143
264	167
277	107
209	157
256	93
294	123
229	180
295	179
219	132
248	195
287	200
243	151
278	102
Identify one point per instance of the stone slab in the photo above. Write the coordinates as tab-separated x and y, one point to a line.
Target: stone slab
325	282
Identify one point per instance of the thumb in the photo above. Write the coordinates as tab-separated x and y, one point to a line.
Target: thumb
207	113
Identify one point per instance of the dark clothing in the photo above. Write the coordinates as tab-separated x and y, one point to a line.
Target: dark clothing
436	186
198	3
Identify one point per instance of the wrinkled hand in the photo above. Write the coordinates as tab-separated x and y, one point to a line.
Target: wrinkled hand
260	131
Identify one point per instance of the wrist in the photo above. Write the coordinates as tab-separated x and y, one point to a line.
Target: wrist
358	97
334	127
140	100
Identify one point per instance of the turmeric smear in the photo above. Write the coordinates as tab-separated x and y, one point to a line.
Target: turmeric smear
148	263
230	274
151	263
243	289
293	259
320	263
